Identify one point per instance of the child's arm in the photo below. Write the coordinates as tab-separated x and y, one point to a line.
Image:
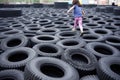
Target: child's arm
70	9
83	12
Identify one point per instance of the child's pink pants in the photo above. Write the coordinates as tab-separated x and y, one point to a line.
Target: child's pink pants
78	22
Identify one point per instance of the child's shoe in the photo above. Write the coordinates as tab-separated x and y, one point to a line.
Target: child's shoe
81	33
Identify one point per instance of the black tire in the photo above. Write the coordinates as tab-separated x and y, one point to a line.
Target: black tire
46	68
16	58
43	22
1	50
117	33
64	27
85	29
85	21
90	77
49	26
102	23
108	68
67	35
97	19
48	50
44	39
59	22
31	29
33	25
102	50
92	25
92	38
5	29
18	26
101	31
116	24
81	59
116	18
11	75
12	32
71	43
109	21
14	42
109	9
4	24
113	41
2	37
116	11
50	31
29	35
112	28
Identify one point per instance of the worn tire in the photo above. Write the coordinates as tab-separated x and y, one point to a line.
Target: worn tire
71	43
81	59
48	50
108	68
101	31
46	68
102	50
92	38
14	42
50	31
67	35
31	29
11	75
44	39
113	41
12	32
16	58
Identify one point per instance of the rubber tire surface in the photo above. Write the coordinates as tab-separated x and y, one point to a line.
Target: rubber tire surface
112	50
92	38
14	54
33	72
23	42
104	68
51	39
77	43
11	75
67	35
113	41
84	65
53	50
90	77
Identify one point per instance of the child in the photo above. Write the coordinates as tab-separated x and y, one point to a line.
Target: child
78	12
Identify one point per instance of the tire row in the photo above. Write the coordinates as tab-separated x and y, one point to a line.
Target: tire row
41	46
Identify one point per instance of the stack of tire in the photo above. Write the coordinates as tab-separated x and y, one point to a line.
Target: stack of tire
39	45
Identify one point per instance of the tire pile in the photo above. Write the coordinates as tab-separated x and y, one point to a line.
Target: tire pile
39	45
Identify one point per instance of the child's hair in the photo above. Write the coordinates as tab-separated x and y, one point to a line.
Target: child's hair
77	2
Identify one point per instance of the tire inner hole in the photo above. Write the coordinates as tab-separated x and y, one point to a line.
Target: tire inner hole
100	32
79	58
113	40
52	70
103	50
48	31
7	78
90	37
67	35
48	49
45	38
70	43
13	42
115	68
17	56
